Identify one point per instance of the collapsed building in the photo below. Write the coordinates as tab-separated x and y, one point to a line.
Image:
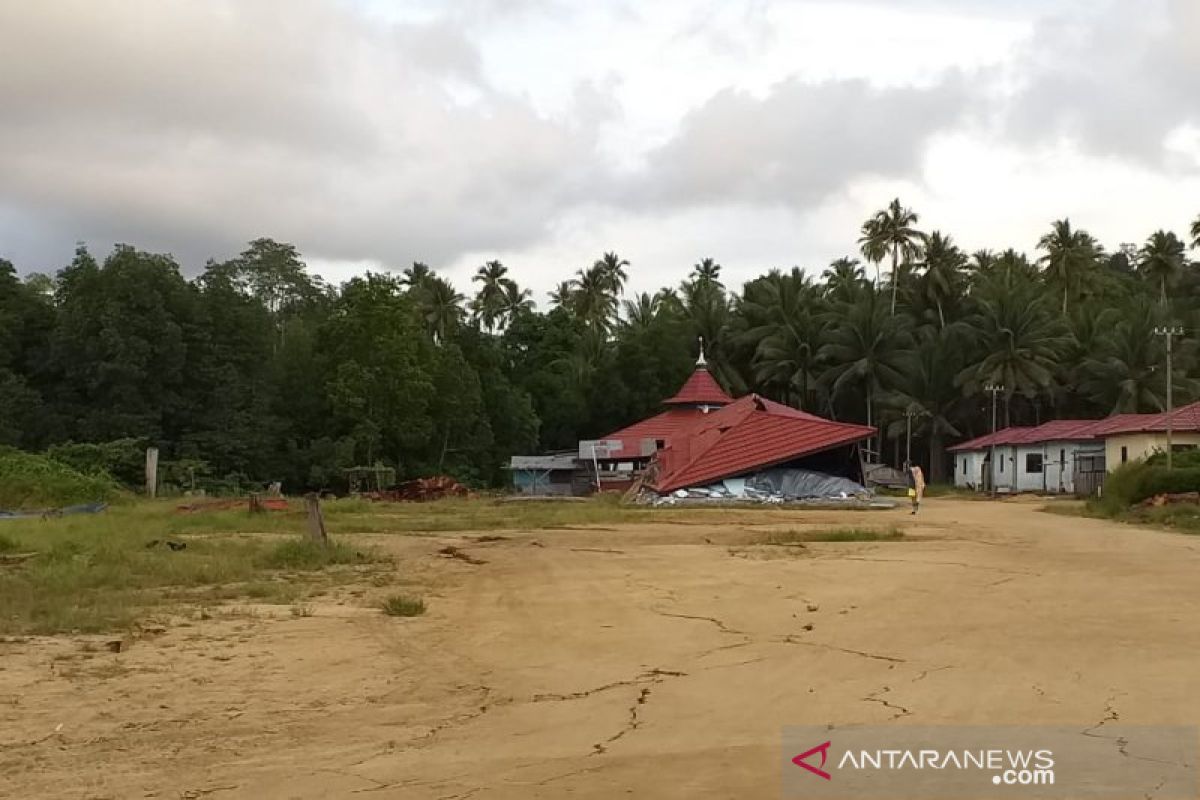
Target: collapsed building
706	444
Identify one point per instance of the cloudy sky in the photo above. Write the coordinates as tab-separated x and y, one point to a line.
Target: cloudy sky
372	133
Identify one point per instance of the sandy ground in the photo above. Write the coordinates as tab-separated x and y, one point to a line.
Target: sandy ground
632	661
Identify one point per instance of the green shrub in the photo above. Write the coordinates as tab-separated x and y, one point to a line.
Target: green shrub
399	605
1183	459
122	459
1160	480
29	481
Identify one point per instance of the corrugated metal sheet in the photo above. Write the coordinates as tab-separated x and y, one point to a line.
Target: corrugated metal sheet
748	435
547	462
700	389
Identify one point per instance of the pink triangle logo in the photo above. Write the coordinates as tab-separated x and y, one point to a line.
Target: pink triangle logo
823	749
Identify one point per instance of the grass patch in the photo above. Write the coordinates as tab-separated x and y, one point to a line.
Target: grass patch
30	481
8	544
305	554
95	572
1177	517
400	605
795	536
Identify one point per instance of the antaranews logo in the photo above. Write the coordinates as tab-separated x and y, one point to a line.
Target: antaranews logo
1007	767
989	763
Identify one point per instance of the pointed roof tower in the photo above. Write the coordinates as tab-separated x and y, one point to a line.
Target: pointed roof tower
701	389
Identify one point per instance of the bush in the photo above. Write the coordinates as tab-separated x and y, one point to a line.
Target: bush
29	481
1160	480
305	554
122	459
1183	459
399	605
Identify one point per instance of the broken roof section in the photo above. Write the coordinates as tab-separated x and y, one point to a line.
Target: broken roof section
748	435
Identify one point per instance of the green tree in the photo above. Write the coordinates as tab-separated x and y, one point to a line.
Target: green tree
1071	256
892	229
1161	260
942	282
844	280
489	303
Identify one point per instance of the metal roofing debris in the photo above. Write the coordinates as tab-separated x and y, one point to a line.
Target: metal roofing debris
547	462
750	434
1185	418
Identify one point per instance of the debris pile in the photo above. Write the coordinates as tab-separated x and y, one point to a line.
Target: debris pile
1160	500
774	487
422	490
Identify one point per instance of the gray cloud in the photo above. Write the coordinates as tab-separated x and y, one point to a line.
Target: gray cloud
1117	80
193	127
799	143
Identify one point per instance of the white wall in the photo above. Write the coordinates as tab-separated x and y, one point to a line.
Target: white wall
1057	475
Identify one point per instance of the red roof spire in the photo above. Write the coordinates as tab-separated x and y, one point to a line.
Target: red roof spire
701	389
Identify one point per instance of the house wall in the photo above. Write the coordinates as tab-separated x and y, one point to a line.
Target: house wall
1058	467
1142	445
968	469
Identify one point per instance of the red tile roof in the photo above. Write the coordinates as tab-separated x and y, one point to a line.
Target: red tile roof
1185	418
661	426
700	389
750	434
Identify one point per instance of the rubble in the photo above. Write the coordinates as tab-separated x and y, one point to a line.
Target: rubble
422	490
775	486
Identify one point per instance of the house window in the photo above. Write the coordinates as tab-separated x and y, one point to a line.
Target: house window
1001	465
964	466
1062	457
1124	454
1033	462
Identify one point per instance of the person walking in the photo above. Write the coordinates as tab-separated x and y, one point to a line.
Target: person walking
916	485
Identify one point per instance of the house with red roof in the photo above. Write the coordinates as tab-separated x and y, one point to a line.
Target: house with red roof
1069	455
704	436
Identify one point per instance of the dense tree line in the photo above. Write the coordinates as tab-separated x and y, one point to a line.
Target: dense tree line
257	370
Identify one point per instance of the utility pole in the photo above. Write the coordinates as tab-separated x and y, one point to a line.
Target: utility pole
995	389
1169	332
908	418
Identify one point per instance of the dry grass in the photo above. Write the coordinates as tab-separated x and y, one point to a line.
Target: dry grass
399	605
796	536
102	572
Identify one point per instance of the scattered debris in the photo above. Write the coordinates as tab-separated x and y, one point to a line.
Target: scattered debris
8	559
450	551
422	490
175	546
115	645
252	503
484	539
774	487
1159	500
46	513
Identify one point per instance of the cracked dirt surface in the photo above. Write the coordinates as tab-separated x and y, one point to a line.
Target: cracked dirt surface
630	661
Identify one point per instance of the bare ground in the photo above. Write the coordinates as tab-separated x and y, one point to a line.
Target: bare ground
649	660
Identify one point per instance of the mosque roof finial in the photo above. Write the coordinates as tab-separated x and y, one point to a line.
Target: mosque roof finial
701	362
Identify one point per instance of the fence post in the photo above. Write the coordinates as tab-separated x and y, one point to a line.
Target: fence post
316	521
151	472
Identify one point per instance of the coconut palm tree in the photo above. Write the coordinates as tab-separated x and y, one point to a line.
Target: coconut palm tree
1070	255
612	267
516	301
943	279
707	271
1124	373
563	295
782	323
440	307
893	230
642	310
844	279
416	275
929	393
1019	341
866	348
594	300
1161	260
488	304
1196	233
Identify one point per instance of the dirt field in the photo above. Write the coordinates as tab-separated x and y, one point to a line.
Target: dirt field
650	660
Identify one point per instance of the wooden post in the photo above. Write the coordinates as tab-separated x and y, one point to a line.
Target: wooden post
256	506
151	471
316	522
